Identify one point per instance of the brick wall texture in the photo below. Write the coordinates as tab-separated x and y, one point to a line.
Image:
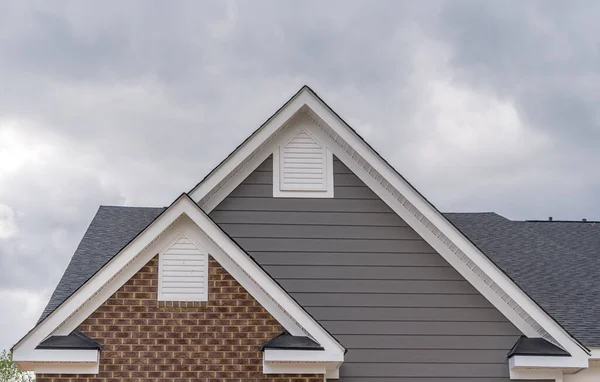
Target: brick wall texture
147	340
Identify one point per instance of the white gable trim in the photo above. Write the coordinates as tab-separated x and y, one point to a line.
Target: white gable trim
182	217
485	276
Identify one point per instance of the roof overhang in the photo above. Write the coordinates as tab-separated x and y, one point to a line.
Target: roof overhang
183	216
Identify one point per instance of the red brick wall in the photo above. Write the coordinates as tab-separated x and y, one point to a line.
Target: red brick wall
147	340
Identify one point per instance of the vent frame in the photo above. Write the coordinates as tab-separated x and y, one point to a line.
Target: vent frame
284	186
180	254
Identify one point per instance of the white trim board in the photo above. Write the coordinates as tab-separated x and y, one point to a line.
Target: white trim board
63	361
421	215
183	217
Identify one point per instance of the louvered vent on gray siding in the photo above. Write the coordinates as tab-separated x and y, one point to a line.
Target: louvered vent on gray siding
303	164
183	272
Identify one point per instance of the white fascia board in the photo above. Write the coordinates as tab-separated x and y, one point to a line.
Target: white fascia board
278	120
595	353
527	362
150	242
281	355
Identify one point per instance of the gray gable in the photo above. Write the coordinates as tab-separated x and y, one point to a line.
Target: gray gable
111	229
555	263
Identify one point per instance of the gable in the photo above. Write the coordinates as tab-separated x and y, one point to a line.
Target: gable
344	142
182	218
371	280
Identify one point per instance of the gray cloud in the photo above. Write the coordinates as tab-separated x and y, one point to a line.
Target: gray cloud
483	106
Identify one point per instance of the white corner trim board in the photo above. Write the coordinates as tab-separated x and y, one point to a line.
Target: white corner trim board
343	142
182	219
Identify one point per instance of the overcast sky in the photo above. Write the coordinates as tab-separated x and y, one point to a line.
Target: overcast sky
483	106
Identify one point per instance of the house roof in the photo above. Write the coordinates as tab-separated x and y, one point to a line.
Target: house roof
553	262
536	347
289	342
75	340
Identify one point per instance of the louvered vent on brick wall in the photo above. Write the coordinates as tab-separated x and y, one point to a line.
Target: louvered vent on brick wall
303	164
183	270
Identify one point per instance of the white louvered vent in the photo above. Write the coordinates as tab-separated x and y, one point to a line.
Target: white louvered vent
303	168
303	164
183	272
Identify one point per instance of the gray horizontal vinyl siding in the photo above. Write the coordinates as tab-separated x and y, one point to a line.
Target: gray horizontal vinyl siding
398	307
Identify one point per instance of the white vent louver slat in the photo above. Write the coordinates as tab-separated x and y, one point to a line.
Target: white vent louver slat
183	272
303	165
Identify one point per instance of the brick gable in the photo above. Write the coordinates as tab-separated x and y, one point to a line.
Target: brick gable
147	340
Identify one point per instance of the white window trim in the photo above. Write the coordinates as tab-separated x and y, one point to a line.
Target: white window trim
182	297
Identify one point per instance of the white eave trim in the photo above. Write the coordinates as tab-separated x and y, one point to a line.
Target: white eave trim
496	286
282	355
528	362
281	361
59	361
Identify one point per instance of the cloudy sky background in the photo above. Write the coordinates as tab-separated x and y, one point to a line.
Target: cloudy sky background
482	106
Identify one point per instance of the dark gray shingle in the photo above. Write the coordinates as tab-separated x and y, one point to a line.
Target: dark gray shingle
555	263
75	340
289	342
111	229
536	347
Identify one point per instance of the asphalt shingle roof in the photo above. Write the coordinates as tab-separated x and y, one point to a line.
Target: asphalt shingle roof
287	341
111	229
555	263
536	346
75	340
